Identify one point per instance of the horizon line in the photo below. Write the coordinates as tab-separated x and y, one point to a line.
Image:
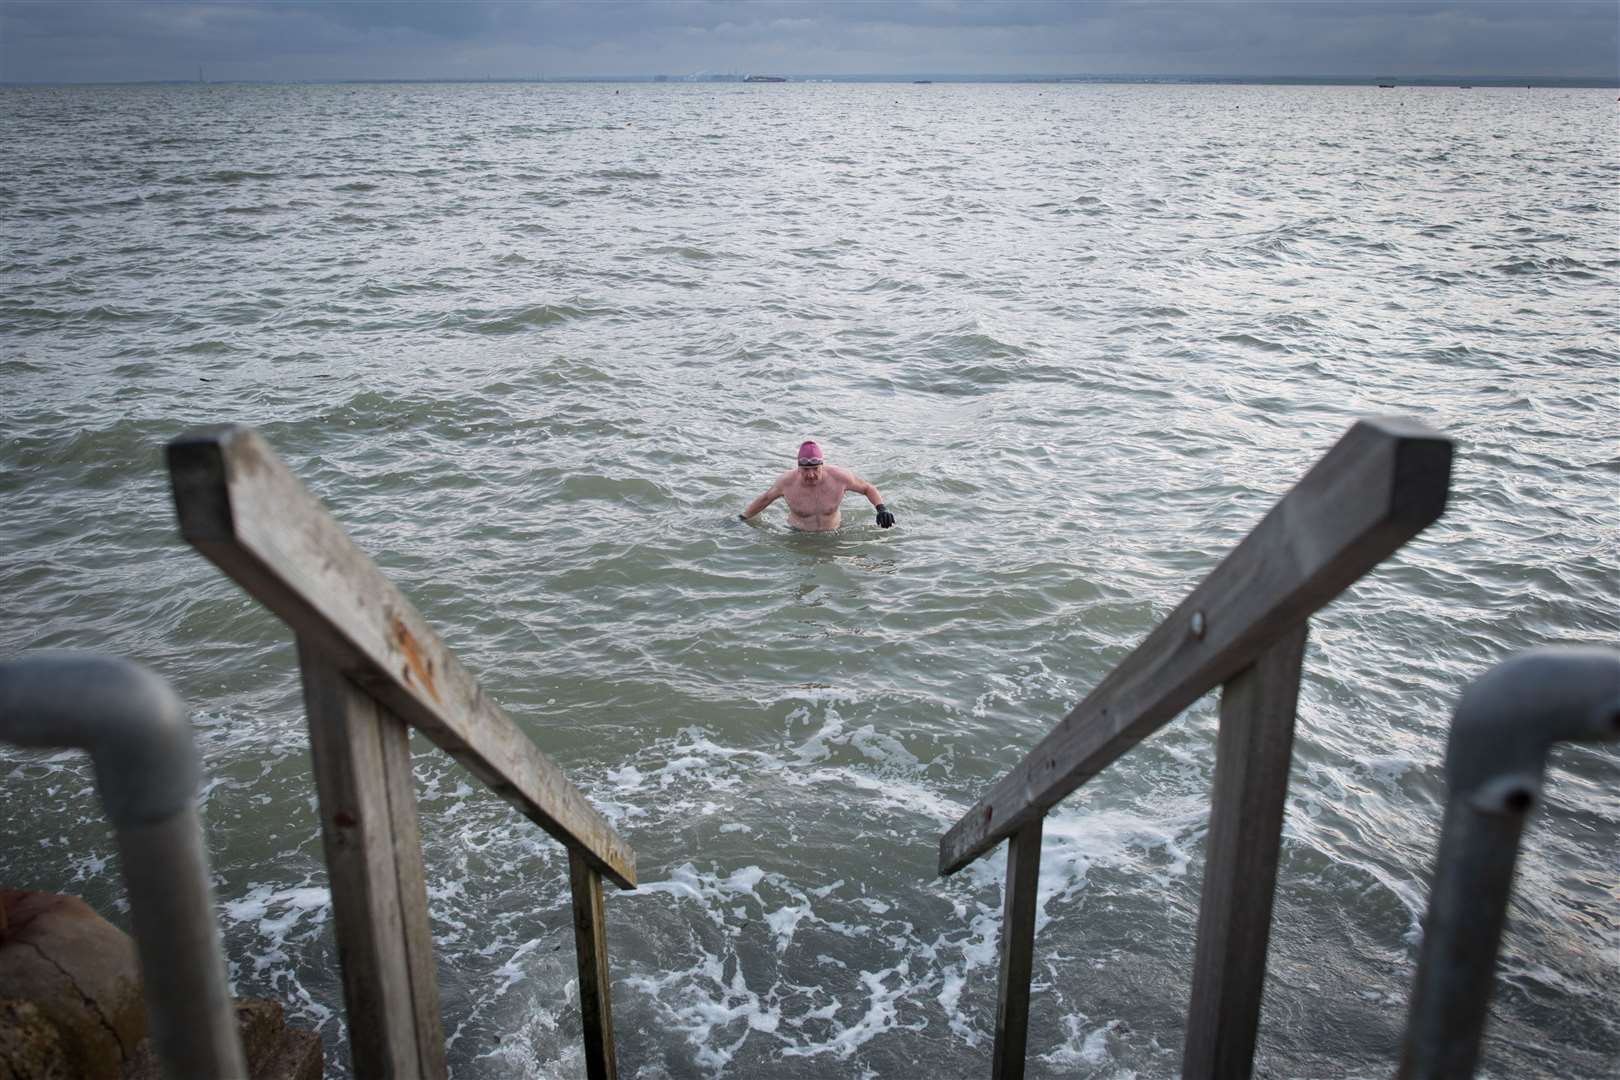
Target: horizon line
1605	81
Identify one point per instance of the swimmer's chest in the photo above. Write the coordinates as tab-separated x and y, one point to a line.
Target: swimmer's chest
823	498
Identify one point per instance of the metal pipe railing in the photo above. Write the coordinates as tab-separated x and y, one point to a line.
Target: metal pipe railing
1505	723
135	728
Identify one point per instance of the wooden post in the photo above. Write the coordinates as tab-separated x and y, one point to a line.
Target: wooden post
1017	952
1240	874
590	946
374	858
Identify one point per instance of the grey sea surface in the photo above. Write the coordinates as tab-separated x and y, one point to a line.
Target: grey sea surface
536	345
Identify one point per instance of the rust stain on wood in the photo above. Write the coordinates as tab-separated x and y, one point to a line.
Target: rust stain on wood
416	665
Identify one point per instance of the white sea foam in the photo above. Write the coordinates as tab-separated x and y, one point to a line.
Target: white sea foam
1083	1047
294	904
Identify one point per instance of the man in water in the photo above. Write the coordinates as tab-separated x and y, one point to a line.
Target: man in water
814	491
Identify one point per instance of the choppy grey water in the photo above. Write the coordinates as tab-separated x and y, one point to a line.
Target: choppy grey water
537	345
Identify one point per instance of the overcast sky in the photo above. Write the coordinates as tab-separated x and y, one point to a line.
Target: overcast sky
119	40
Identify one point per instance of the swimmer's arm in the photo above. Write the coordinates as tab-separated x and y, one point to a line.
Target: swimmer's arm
885	520
763	501
862	487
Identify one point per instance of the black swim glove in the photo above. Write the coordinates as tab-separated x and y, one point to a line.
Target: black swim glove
885	519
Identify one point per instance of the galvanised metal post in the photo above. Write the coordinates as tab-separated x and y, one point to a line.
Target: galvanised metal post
1506	721
146	771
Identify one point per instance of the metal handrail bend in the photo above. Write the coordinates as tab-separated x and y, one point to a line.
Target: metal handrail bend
135	728
1505	723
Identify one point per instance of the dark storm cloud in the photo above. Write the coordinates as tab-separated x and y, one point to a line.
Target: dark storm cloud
111	40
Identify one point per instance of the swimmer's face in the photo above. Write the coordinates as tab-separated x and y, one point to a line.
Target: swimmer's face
810	474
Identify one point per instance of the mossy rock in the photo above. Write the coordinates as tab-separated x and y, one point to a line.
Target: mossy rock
80	975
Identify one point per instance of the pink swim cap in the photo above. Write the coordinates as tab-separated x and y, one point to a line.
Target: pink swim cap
809	453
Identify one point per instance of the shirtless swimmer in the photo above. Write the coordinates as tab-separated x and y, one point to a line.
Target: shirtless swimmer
814	491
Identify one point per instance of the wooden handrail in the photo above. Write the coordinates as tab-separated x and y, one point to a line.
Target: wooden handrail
1379	486
372	670
242	508
1243	629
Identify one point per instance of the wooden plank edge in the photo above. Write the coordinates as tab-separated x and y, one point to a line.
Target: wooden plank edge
595	983
1021	904
1243	845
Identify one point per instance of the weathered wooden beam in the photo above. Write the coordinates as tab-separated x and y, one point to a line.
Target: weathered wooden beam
1252	756
241	507
590	948
374	862
1017	953
1379	486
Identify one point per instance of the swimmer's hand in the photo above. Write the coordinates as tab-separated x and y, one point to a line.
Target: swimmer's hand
885	519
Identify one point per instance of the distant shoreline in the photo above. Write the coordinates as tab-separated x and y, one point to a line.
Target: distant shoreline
1477	82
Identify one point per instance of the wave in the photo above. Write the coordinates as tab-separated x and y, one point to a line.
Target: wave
1251	341
515	320
625	174
1561	266
237	176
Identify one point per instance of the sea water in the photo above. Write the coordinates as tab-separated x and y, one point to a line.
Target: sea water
537	345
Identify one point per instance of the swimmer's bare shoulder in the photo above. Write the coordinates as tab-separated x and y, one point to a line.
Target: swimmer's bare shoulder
845	478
